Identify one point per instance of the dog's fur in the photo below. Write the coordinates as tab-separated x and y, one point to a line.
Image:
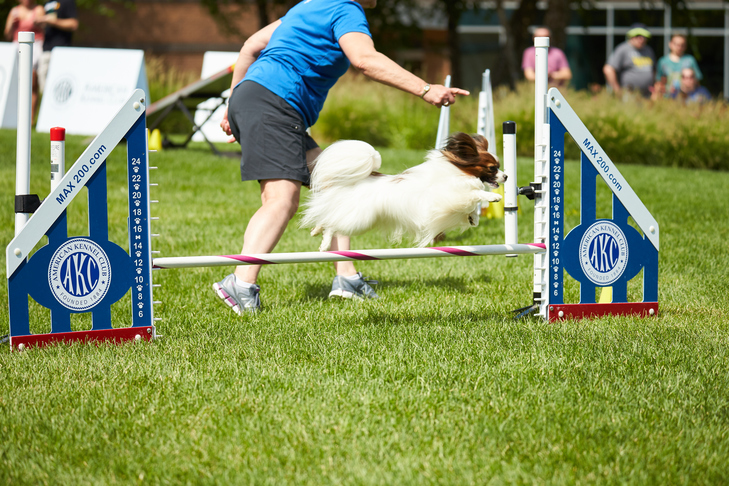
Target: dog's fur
349	197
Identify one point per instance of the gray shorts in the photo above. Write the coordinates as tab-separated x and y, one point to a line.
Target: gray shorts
271	134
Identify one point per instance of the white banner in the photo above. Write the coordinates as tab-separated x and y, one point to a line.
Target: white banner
213	62
86	87
8	85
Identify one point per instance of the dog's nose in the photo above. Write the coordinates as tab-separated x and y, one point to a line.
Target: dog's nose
505	177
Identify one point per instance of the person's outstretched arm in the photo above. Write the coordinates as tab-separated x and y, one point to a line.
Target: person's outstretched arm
68	25
360	50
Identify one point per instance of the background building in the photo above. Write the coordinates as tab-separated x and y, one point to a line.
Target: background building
181	31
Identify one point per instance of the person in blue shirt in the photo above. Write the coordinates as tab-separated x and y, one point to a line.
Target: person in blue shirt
280	82
690	91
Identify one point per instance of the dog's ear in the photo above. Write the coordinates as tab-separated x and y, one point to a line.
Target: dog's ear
471	155
463	147
482	144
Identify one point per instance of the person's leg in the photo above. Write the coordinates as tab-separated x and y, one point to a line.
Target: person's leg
344	269
280	200
43	64
34	98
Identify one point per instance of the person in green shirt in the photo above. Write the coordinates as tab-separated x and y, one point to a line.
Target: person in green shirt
668	70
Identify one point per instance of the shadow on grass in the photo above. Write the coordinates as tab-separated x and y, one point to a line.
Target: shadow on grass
383	318
462	285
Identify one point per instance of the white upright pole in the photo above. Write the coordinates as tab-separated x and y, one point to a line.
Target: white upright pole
486	125
444	122
510	204
541	45
541	174
25	92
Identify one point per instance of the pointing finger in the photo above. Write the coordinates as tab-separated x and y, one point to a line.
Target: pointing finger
459	91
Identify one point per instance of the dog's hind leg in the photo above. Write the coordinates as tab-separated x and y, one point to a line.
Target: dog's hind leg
326	242
316	231
474	216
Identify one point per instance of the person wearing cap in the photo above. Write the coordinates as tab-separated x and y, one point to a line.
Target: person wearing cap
631	65
280	82
669	67
558	69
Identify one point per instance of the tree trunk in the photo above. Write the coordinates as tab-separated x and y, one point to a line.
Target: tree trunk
508	59
523	17
262	13
453	11
518	38
557	19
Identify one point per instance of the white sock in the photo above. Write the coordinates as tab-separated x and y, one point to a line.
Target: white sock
241	284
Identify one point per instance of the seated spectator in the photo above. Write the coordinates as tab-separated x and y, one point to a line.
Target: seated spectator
668	69
558	69
630	66
690	91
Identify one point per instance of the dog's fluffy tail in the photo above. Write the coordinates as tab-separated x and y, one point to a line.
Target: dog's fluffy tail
344	163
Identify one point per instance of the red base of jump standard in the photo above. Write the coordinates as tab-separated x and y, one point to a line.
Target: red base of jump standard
580	311
116	335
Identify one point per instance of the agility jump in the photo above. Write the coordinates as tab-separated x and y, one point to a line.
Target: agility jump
74	274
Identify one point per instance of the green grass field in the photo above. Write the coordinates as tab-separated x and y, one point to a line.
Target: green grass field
435	383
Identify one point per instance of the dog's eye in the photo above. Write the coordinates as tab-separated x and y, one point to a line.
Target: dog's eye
489	173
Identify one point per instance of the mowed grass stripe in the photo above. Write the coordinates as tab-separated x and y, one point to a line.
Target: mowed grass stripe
433	383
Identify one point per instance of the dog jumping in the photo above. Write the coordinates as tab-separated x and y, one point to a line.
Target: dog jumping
349	197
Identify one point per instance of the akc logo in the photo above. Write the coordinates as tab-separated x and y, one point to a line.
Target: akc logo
63	90
79	274
603	253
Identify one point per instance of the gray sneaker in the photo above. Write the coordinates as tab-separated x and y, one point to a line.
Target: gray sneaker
246	300
359	289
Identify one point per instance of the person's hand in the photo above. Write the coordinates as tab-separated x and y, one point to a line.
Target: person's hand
225	125
439	95
45	20
616	90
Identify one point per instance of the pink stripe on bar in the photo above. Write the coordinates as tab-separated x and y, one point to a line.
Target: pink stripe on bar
250	260
454	251
354	255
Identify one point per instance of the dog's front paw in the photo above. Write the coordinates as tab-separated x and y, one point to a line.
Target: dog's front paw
492	197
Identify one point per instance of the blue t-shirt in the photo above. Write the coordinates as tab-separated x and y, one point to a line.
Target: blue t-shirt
303	60
699	95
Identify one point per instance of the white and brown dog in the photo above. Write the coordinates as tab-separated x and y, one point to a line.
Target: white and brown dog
349	197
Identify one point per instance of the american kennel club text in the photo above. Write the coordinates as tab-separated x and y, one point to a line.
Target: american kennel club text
79	274
603	252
